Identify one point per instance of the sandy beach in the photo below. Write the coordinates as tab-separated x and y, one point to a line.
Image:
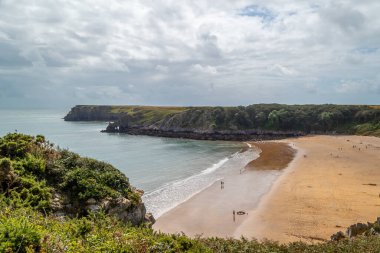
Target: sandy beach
210	212
332	182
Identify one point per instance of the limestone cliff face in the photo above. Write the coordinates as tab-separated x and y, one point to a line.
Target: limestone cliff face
121	208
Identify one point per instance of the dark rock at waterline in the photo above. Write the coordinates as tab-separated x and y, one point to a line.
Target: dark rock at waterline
227	135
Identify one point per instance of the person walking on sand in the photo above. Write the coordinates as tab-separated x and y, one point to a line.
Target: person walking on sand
233	215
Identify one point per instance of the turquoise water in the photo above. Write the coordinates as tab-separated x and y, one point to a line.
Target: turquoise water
168	170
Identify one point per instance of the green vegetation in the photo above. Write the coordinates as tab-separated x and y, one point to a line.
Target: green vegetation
147	114
25	230
342	119
32	170
275	117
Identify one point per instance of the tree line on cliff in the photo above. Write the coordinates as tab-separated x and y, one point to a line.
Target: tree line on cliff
327	118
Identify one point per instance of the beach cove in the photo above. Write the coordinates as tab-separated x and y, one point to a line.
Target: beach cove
330	184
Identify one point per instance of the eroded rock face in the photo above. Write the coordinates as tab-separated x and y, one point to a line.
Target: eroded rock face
121	208
356	229
150	219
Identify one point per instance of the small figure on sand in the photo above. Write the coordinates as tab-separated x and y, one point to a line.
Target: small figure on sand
233	214
221	185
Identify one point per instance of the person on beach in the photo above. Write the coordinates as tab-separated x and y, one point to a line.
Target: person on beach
221	185
233	214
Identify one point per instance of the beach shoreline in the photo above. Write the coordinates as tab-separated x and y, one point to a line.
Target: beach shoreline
239	194
328	185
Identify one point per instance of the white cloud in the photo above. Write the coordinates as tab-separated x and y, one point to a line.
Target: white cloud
206	69
168	48
282	70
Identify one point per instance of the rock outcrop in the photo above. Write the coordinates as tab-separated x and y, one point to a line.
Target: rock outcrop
121	208
357	230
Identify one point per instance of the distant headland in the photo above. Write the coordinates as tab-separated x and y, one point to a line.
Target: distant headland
253	122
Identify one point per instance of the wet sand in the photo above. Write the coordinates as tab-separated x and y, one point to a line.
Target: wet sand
333	183
210	212
273	156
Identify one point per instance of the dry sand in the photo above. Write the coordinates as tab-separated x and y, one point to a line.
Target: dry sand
327	186
333	183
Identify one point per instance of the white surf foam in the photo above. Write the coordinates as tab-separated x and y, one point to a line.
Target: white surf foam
174	193
249	145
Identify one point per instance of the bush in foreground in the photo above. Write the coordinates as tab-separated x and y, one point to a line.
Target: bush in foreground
26	230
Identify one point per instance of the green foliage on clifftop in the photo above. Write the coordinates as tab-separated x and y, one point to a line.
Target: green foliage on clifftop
32	171
346	119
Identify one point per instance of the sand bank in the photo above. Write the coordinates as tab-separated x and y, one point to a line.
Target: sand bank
333	183
273	156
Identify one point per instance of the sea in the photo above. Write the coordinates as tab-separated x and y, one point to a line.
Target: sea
169	170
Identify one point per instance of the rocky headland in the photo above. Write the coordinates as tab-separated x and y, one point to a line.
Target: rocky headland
254	122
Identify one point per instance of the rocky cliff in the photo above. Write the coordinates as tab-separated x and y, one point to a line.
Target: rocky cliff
92	113
35	174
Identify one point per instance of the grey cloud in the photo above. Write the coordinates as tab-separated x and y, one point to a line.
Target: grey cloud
10	56
348	19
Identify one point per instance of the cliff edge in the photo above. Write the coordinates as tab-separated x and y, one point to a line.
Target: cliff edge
35	174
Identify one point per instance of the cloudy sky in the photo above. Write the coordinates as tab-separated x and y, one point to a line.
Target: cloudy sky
175	52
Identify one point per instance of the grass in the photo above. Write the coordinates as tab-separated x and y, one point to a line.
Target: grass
25	230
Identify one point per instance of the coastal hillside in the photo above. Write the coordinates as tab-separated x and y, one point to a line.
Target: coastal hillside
53	200
259	121
35	174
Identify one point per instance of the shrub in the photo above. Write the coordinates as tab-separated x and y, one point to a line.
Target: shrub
18	234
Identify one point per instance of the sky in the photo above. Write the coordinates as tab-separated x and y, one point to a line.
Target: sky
56	54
